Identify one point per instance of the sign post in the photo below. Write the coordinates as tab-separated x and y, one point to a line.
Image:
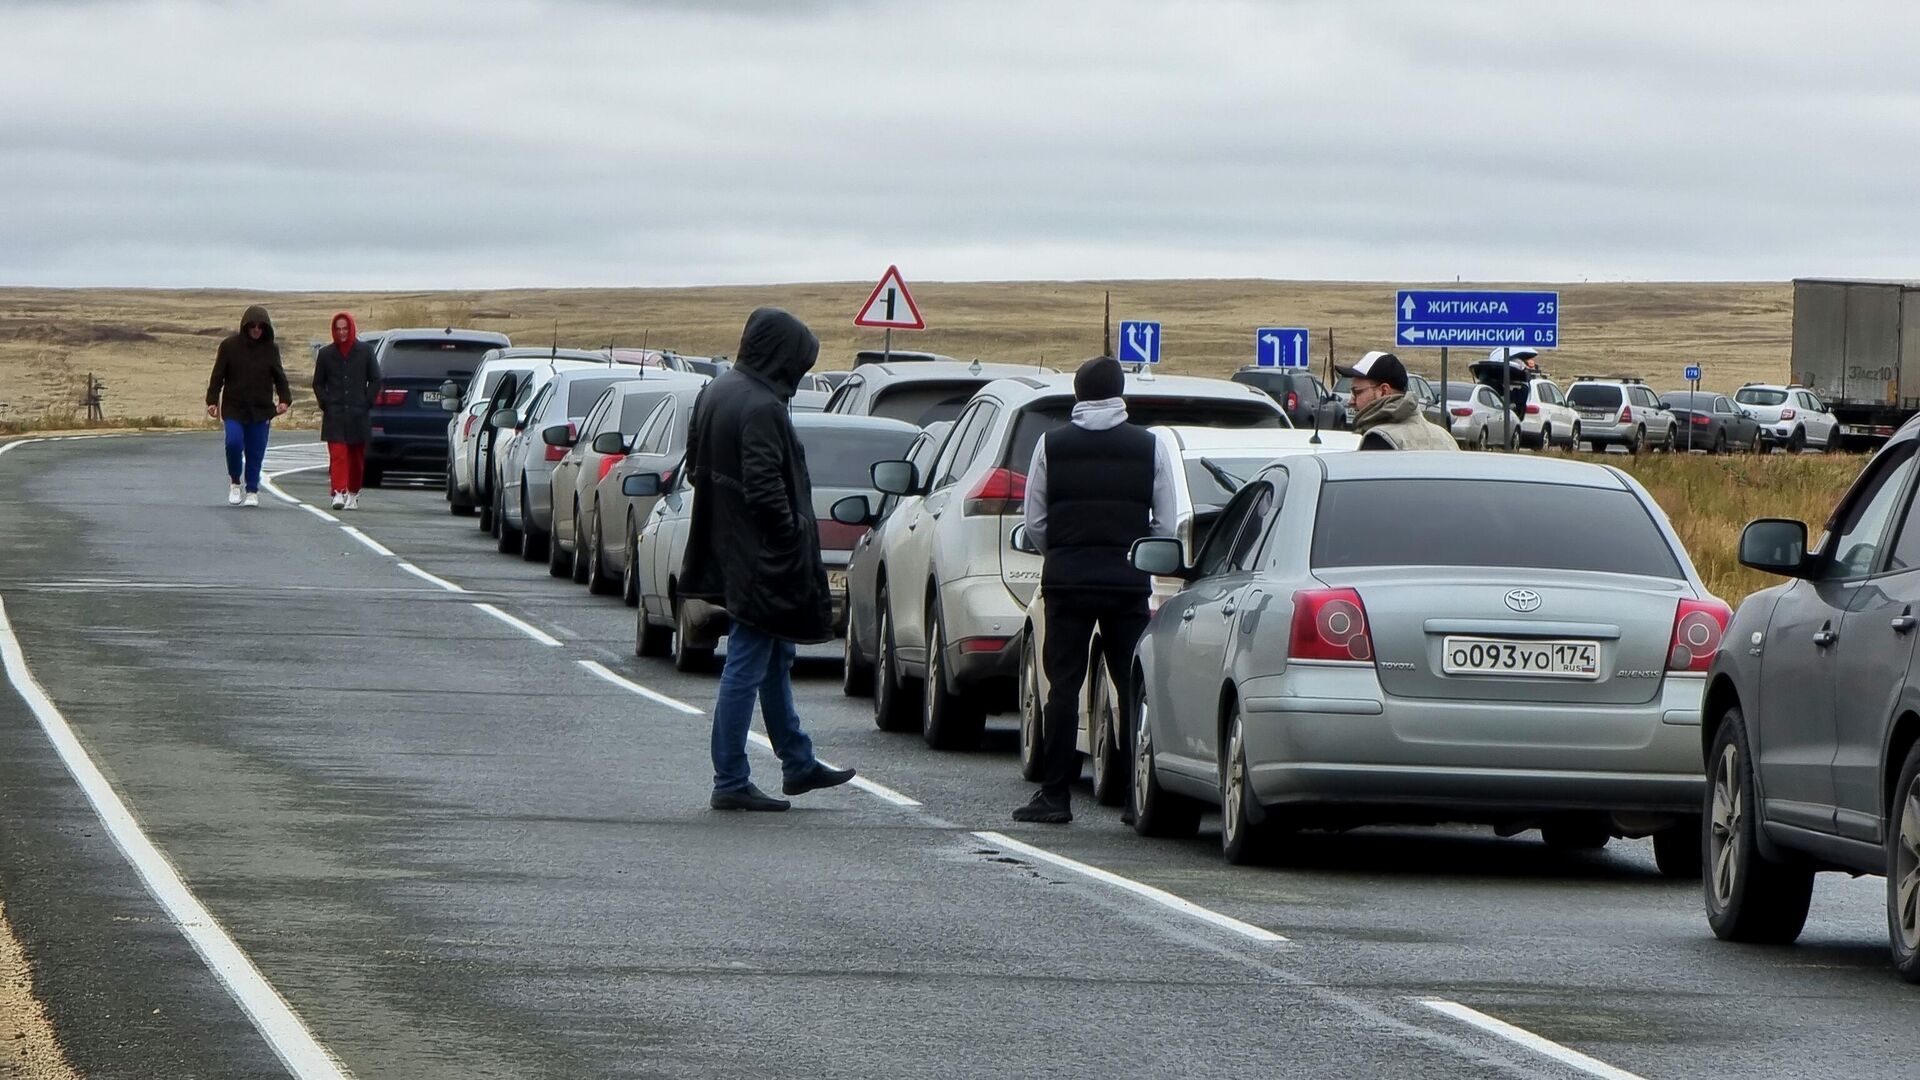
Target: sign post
890	307
1446	402
1280	347
1692	374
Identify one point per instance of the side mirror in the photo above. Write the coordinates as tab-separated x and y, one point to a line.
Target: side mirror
1159	556
1775	546
504	420
449	389
450	403
853	510
895	477
610	442
642	485
1022	540
558	435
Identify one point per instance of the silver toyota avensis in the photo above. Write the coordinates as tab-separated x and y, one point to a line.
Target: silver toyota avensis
1418	638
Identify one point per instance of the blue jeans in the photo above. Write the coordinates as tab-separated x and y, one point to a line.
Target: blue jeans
757	666
250	441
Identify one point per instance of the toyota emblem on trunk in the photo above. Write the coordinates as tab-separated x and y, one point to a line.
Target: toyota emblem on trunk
1523	600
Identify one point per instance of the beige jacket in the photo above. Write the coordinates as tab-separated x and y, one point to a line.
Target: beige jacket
1394	423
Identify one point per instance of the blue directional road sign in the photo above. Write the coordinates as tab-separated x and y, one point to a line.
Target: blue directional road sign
1139	342
1466	319
1693	373
1280	346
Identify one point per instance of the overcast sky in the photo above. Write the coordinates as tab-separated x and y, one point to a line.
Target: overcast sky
451	143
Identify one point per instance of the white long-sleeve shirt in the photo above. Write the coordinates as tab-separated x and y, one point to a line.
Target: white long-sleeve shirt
1100	416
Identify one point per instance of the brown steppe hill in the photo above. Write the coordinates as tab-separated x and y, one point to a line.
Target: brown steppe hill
152	347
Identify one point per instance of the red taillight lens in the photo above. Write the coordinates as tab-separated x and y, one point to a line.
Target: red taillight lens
607	463
466	430
1788	414
1293	401
1533	410
1626	414
1703	421
391	398
999	492
1466	411
1330	624
983	644
1698	628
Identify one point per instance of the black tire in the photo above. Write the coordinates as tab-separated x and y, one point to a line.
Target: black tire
688	658
1484	441
455	505
559	563
1676	850
485	524
649	640
896	706
1719	442
1903	869
856	671
599	582
1637	441
535	545
1573	444
1546	438
1246	832
1749	897
1513	439
1758	442
1576	835
1033	764
1797	443
948	721
507	538
1596	446
580	570
1156	811
1667	445
1106	742
630	572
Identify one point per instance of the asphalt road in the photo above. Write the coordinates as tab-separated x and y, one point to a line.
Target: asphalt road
455	851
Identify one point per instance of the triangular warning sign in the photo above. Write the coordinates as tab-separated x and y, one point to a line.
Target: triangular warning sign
891	305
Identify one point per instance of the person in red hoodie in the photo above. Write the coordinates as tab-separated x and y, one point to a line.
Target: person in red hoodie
346	378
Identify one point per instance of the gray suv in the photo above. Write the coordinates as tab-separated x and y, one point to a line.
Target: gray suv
1621	412
1811	729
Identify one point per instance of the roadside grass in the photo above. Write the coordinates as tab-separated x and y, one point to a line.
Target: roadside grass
1711	499
74	420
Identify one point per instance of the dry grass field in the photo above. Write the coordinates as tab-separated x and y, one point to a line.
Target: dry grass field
153	348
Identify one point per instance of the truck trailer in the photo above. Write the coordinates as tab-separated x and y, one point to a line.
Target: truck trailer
1856	344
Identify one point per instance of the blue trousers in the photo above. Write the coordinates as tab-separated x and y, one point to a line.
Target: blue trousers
758	666
248	441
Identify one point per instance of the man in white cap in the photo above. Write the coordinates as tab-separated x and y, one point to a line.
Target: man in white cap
1384	417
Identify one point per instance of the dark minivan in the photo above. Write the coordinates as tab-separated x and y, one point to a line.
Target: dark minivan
409	426
1305	398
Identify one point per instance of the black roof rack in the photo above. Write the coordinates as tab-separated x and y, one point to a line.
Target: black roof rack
1634	379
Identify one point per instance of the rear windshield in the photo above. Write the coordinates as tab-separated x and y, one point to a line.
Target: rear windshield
1684	401
433	359
1761	397
924	403
582	393
1210	489
844	458
1488	523
1038	419
1593	395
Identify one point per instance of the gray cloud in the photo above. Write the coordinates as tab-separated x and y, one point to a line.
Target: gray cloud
362	145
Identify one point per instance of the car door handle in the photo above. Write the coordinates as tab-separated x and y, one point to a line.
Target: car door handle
1904	623
1227	611
1187	615
1824	637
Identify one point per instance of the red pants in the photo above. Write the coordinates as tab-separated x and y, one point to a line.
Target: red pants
348	465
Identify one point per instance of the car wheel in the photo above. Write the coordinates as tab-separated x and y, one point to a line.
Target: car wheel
1720	442
1637	441
1765	445
1573	444
856	673
1666	445
1596	446
1033	763
485	523
1513	439
534	544
580	568
1754	446
1798	442
1576	835
894	706
1749	897
649	640
948	721
1676	850
506	536
688	658
1246	835
1546	438
599	582
1483	442
1156	811
1903	870
454	505
630	572
1107	742
559	563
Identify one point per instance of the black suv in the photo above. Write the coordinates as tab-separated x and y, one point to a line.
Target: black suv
1301	393
409	426
1811	728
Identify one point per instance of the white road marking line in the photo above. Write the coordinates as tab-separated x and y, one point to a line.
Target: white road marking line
526	628
1573	1059
606	673
430	578
1159	896
317	512
4	447
276	1021
371	544
267	481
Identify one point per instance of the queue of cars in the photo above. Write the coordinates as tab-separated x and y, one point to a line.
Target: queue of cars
1336	642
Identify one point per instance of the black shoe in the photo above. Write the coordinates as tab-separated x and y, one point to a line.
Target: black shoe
747	798
1046	809
821	777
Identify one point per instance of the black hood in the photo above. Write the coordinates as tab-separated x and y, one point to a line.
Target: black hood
257	314
777	348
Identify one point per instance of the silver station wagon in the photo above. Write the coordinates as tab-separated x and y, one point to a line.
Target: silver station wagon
1419	638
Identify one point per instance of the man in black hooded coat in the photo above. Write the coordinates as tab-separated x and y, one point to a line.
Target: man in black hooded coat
753	547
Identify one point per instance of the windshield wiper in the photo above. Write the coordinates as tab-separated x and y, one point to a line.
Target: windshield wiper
1221	476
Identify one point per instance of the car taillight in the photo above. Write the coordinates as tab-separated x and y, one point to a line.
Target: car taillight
607	463
999	492
1533	410
1698	627
1330	624
1702	419
1293	401
1626	414
1464	411
390	398
983	644
1788	414
466	430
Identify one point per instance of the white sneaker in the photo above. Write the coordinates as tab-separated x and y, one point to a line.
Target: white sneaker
252	499
339	500
233	494
353	500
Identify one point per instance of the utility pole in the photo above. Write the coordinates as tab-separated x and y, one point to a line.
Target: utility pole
1106	328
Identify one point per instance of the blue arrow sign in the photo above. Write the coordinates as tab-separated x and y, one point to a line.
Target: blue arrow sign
1460	318
1139	342
1280	346
1692	373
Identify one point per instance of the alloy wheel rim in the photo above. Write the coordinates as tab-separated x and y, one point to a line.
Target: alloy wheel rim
882	662
1230	808
1029	700
934	647
1142	759
1723	846
1906	869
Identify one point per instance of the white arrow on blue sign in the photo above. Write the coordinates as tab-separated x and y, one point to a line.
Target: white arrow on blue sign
1280	346
1692	373
1470	318
1139	342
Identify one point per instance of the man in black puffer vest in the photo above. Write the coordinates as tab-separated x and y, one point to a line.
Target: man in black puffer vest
1095	486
